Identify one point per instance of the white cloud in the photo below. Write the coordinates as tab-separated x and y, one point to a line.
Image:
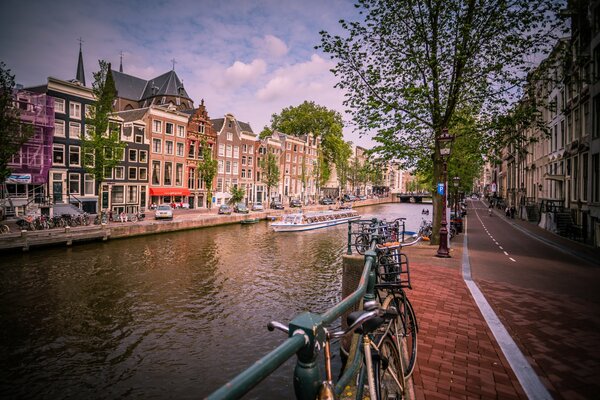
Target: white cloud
274	46
240	73
297	79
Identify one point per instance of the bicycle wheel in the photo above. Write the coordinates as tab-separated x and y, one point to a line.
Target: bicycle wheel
361	243
4	229
389	375
405	330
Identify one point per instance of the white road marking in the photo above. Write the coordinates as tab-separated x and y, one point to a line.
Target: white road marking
505	253
512	259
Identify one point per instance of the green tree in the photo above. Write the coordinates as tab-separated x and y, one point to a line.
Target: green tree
207	168
321	171
408	67
343	152
270	172
13	132
310	118
101	142
237	195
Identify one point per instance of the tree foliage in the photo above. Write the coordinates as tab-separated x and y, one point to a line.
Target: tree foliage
408	68
207	168
13	132
270	172
237	195
101	142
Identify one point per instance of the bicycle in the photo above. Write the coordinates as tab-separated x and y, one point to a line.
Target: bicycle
381	365
393	276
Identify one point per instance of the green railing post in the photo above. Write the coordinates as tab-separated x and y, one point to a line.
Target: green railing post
349	238
370	293
306	373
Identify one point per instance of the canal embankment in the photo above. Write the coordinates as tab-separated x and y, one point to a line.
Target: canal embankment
182	220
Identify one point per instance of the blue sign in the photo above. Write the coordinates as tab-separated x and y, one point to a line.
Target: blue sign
440	189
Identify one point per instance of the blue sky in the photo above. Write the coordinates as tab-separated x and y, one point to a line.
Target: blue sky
249	58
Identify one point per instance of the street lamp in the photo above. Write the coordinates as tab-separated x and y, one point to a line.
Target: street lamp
444	144
456	180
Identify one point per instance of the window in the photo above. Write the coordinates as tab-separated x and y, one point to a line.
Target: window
236	152
243	160
143	156
74	130
156	172
192	149
132	173
250	148
180	149
59	128
201	127
219	184
168	179
132	194
74	159
227	167
75	110
117	194
229	152
88	184
221	150
156	146
156	126
178	174
244	148
235	167
139	137
74	184
89	110
168	147
229	134
89	131
180	131
59	105
133	155
243	173
120	173
249	160
596	178
191	179
250	174
169	128
220	166
288	146
58	154
143	174
108	173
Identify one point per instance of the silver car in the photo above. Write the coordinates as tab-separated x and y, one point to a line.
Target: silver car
257	207
164	211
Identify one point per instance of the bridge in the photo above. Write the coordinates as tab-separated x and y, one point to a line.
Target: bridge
413	197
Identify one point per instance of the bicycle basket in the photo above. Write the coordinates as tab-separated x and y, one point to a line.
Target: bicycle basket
393	269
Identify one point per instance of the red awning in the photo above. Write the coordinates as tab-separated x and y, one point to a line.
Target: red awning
169	192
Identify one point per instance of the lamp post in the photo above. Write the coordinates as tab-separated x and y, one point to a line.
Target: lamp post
444	143
456	181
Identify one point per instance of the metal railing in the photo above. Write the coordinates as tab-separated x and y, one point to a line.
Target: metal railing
306	336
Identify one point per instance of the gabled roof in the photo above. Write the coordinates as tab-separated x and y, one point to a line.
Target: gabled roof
134	88
243	126
132	115
128	86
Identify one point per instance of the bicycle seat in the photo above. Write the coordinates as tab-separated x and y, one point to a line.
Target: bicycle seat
368	326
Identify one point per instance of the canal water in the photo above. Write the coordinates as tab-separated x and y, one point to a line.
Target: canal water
174	315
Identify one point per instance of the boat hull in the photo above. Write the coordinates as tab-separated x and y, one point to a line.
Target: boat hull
285	227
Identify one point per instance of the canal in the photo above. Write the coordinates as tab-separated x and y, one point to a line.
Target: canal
166	316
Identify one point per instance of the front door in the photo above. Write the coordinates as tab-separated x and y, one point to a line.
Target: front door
57	187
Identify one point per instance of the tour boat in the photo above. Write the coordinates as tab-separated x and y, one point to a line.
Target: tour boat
313	220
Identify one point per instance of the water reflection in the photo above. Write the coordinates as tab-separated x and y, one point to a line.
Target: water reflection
172	315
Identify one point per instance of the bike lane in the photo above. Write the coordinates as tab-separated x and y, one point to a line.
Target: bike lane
546	299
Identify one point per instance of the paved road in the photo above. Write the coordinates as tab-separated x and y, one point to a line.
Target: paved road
548	300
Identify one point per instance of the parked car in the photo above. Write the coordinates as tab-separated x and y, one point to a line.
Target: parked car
225	209
257	207
326	201
163	211
240	208
349	197
362	197
276	205
295	203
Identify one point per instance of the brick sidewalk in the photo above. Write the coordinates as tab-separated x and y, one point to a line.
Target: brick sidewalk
458	356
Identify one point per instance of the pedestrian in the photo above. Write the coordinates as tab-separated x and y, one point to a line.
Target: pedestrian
123	216
507	212
512	212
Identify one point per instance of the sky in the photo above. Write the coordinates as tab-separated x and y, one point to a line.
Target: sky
248	58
